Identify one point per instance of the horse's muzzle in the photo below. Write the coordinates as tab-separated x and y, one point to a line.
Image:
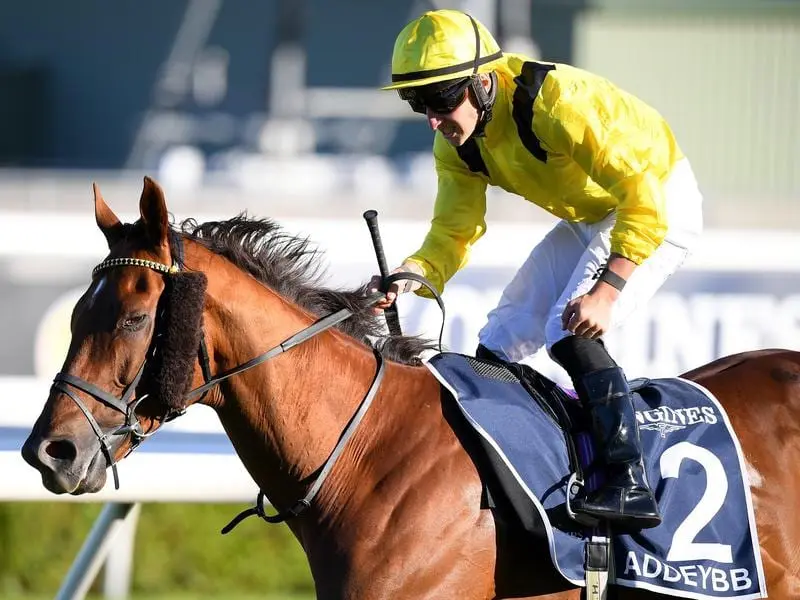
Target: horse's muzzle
64	466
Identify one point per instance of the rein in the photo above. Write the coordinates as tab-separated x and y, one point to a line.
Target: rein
63	382
127	404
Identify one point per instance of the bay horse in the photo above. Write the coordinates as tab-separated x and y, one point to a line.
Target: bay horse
400	514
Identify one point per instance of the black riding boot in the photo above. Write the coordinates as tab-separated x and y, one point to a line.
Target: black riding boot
484	353
625	498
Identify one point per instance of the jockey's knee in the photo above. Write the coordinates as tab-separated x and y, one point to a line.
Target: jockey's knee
579	355
485	353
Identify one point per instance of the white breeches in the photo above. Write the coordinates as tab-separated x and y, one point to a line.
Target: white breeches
565	263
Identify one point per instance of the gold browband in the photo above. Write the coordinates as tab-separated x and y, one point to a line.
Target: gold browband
135	262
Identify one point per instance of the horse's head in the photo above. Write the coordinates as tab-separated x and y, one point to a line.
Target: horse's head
133	352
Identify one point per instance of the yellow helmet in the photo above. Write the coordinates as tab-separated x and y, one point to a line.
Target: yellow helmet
442	45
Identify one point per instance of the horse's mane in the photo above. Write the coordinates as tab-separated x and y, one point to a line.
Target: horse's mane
292	267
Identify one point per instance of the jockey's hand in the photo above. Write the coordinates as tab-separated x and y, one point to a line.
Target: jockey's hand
589	315
395	289
391	295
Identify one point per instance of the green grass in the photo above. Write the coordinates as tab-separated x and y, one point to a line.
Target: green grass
179	554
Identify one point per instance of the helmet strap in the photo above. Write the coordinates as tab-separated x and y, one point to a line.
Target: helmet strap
484	100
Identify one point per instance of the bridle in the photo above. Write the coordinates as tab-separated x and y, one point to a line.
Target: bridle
127	404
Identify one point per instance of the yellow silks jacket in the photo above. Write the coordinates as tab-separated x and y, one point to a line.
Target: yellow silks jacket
566	140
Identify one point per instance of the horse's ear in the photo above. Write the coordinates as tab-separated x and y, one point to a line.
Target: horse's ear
153	209
107	221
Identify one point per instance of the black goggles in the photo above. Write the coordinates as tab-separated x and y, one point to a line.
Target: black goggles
439	99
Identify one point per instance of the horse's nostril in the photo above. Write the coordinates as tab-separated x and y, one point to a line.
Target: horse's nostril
61	450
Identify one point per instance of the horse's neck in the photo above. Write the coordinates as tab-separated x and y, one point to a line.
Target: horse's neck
285	415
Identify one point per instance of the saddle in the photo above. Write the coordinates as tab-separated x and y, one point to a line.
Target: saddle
564	409
529	439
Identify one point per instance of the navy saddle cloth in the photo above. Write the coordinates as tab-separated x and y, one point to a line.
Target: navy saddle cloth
529	430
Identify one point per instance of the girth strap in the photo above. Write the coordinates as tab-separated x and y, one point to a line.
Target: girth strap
305	502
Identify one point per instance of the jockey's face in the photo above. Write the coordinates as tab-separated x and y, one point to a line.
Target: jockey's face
452	110
456	126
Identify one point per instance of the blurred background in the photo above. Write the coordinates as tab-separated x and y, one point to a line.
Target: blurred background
273	107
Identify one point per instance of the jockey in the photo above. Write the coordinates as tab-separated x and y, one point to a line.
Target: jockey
601	160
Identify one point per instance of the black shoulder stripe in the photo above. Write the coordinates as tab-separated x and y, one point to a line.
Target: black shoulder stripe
471	154
529	82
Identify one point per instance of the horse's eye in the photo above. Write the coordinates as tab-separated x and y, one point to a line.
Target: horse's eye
133	323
